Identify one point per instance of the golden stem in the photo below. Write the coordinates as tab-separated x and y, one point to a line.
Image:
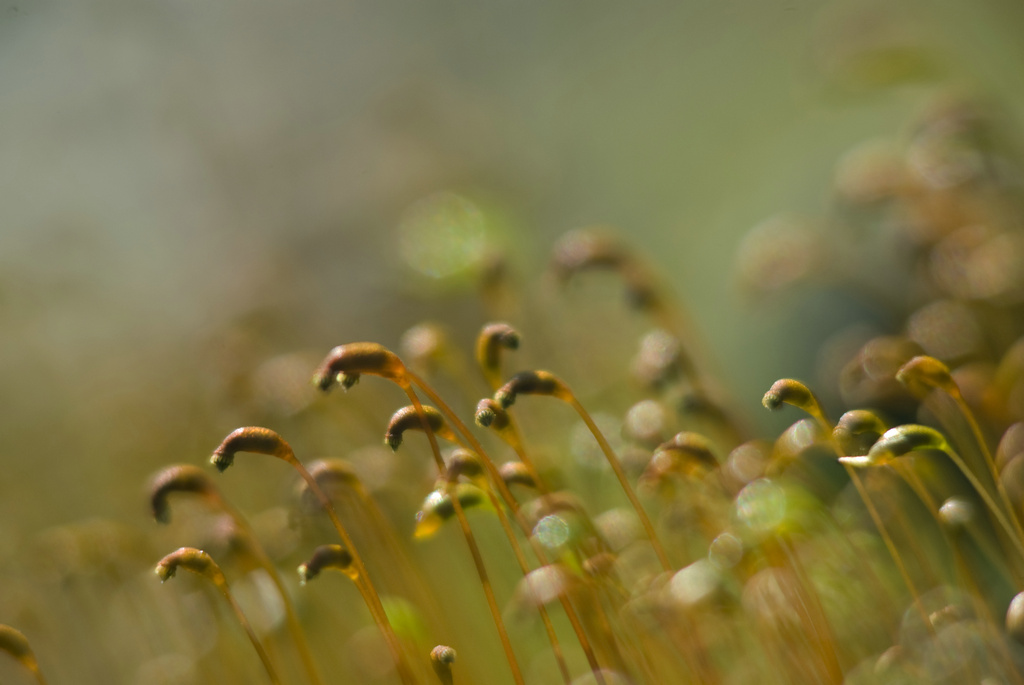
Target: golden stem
294	626
362	582
889	545
989	502
474	550
620	474
513	506
989	461
223	587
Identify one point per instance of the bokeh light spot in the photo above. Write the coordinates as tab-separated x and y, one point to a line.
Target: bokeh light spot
552	531
442	235
761	505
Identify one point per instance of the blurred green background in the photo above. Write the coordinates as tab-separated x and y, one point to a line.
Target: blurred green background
191	189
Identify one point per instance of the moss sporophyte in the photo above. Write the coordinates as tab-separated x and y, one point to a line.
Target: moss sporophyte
642	534
876	548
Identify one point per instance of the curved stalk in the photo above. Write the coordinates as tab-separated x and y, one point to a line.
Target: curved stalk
16	644
513	505
265	441
546	383
467	532
201	563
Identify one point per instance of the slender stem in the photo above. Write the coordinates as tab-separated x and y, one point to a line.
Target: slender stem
474	549
883	593
492	602
33	668
515	441
989	502
765	636
927	572
513	437
620	474
494	380
684	637
513	506
815	613
292	619
454	420
962	570
890	545
907	474
827	426
446	677
989	461
602	628
223	587
992	555
390	541
524	566
363	582
295	627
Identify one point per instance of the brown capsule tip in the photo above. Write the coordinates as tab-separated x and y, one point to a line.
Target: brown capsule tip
441	504
530	383
856	423
423	344
492	339
407	418
443	654
16	644
922	374
641	294
516	473
345	363
324	557
584	249
249	439
180	478
686	453
789	391
505	397
694	446
438	508
490	414
328	474
898	441
696	403
600	565
859	421
660	360
441	658
485	413
554	503
463	462
222	461
191	559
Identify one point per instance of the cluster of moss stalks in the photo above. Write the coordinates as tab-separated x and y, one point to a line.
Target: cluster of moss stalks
554	545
